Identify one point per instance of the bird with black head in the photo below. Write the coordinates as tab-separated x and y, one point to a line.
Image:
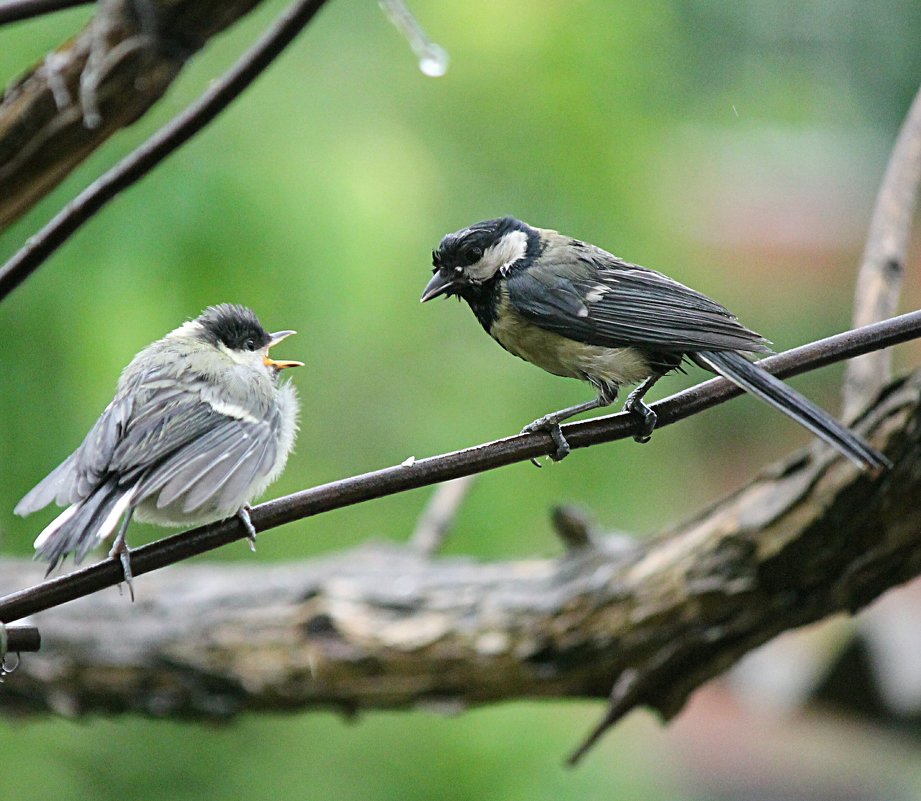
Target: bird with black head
577	311
199	426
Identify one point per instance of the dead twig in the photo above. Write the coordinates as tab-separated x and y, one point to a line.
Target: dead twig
437	519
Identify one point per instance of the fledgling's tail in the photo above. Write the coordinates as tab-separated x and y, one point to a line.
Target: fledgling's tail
83	524
759	382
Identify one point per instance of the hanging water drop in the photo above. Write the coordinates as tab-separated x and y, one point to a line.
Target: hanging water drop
433	58
434	62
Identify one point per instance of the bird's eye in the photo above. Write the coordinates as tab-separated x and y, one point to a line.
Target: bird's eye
473	255
250	344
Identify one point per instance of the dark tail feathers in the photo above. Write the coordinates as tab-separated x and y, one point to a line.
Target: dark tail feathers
759	382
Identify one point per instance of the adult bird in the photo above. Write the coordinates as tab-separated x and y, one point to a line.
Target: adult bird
577	311
199	426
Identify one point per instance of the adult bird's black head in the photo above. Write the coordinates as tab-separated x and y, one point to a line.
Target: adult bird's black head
474	256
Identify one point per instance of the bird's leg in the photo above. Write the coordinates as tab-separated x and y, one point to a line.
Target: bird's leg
646	417
551	424
246	520
122	551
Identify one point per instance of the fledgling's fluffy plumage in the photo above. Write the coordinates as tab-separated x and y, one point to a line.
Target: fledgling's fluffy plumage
580	312
199	426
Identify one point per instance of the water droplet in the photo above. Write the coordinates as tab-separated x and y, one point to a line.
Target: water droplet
434	61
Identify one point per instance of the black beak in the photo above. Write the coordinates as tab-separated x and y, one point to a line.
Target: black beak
439	284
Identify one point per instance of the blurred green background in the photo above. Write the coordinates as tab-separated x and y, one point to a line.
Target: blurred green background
737	147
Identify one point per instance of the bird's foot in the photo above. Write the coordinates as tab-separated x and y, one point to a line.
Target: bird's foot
551	425
123	552
646	419
246	520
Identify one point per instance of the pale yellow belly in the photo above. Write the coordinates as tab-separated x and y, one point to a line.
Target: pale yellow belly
565	357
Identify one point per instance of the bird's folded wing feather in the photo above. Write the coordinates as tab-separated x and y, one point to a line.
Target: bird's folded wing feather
81	473
216	468
158	432
600	300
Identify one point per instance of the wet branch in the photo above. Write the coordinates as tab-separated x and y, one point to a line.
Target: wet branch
18	10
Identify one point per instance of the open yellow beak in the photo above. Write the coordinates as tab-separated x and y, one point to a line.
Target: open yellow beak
277	337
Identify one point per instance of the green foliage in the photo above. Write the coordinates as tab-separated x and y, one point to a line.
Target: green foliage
735	146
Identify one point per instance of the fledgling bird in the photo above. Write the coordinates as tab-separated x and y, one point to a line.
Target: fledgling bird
578	311
199	426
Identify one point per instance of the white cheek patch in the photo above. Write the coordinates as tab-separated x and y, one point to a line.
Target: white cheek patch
498	258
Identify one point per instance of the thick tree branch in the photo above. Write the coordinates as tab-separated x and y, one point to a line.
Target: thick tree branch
387	627
154	150
879	280
413	474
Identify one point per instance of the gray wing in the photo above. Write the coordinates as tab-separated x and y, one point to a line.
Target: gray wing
153	431
86	469
589	295
217	470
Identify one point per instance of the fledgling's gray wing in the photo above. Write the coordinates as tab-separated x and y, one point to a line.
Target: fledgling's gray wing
161	426
216	470
584	293
147	421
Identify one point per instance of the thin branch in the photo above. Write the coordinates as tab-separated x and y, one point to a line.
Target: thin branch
573	526
17	10
18	639
879	281
435	469
172	136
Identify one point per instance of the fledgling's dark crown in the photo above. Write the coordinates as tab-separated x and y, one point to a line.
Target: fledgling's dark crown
235	326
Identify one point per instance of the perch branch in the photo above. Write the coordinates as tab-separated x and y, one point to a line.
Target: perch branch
157	147
18	10
387	627
879	280
435	469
